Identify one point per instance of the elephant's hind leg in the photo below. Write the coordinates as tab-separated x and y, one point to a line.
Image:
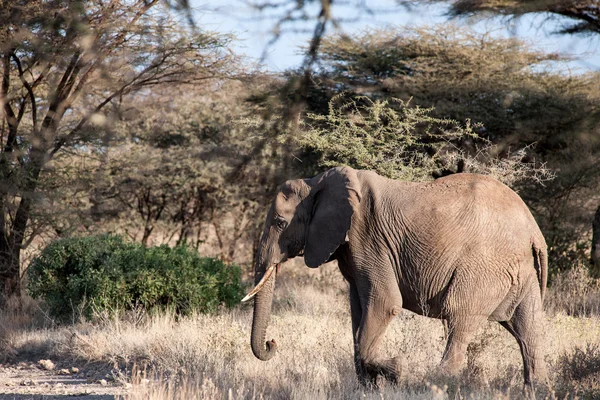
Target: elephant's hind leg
460	332
526	326
375	320
464	312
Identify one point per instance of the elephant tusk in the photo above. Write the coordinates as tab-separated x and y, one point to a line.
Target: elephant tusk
262	282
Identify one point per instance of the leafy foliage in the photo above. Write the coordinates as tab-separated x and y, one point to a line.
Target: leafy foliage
104	273
502	83
404	142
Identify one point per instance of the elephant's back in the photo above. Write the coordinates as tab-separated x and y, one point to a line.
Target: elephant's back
467	218
474	197
470	186
454	201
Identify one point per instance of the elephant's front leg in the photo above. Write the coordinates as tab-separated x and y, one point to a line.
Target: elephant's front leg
356	312
375	317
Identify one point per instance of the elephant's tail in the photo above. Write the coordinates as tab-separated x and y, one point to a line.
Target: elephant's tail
540	257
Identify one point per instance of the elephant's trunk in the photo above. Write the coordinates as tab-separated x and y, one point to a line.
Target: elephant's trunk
262	313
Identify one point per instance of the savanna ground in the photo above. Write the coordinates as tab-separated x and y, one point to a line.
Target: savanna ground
136	356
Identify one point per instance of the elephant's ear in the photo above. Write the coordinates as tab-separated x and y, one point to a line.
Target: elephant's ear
336	195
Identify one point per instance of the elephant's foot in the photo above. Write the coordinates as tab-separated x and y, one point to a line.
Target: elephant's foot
538	373
536	377
530	389
369	371
451	367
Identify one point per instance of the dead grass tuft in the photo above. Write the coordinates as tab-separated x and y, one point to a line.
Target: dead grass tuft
579	372
19	315
574	292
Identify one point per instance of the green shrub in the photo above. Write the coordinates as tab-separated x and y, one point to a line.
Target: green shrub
104	273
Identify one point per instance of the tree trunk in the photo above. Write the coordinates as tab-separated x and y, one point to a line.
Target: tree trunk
10	271
10	249
148	228
11	243
255	244
595	259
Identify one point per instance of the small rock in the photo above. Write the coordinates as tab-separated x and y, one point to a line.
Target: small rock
64	371
59	385
74	370
46	364
103	382
27	382
22	365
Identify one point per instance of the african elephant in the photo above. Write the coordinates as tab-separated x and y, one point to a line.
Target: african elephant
463	248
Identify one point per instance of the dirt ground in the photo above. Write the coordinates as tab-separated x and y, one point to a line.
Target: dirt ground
33	381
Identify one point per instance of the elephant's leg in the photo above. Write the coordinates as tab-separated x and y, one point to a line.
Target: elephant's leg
526	326
356	312
468	302
460	332
376	317
445	325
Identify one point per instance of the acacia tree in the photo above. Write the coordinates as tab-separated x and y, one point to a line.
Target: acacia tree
579	16
595	258
66	66
183	169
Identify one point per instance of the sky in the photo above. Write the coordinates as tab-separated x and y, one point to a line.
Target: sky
254	30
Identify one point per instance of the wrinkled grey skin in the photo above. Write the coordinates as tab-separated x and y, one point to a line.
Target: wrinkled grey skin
463	248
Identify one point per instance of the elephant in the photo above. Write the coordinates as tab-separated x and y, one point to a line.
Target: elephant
462	248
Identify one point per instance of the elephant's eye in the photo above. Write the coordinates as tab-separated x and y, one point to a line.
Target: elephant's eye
281	223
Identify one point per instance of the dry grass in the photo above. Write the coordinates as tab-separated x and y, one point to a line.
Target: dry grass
574	292
209	356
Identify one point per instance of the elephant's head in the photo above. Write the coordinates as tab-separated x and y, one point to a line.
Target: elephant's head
310	217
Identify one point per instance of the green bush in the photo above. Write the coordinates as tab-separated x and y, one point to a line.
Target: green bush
105	273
